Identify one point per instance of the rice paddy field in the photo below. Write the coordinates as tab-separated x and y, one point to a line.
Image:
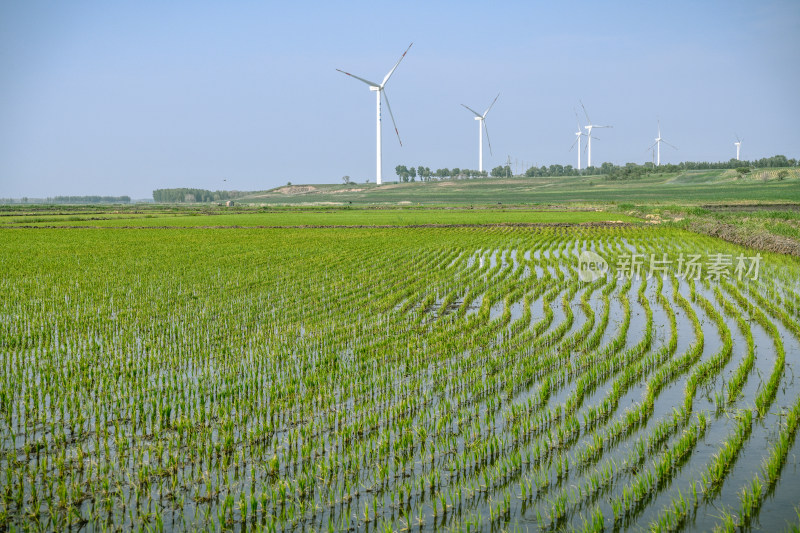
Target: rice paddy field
390	378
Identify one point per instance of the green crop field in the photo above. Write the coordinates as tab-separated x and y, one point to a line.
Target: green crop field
391	378
315	217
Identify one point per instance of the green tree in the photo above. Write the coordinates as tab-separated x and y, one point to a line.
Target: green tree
402	172
498	172
743	171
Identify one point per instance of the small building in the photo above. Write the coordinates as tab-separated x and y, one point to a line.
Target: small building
229	203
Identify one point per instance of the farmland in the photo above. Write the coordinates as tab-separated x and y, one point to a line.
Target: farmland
215	375
211	217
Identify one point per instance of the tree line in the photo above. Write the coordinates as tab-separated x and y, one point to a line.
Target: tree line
411	173
609	170
70	200
633	170
188	195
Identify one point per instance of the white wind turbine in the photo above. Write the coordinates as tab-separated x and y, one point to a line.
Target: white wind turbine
657	144
578	135
481	128
738	144
589	127
379	89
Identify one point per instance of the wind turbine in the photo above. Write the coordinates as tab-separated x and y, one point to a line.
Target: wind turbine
589	133
481	128
379	89
738	144
578	135
657	144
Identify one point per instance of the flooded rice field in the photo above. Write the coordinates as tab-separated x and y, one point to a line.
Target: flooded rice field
476	379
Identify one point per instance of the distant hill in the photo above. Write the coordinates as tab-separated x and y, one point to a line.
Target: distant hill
689	187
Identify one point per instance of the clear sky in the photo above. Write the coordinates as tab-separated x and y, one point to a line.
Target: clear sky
121	97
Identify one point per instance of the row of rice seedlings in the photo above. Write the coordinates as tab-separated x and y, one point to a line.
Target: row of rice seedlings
723	461
705	370
736	383
767	394
675	515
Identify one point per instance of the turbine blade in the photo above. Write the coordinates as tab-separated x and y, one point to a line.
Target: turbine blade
573	144
485	129
580	128
370	83
651	146
473	111
391	115
585	113
395	66
668	144
490	106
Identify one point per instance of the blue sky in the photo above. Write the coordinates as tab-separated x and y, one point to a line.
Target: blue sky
123	97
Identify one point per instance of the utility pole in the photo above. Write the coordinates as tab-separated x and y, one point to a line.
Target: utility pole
508	166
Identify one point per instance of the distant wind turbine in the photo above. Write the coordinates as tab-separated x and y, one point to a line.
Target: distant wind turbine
657	144
738	144
578	135
589	127
379	89
482	128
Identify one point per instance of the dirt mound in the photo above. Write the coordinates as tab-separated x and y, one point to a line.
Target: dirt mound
296	189
758	239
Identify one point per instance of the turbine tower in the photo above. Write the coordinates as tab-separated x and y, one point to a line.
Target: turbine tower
738	144
578	135
481	128
657	144
589	127
379	89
